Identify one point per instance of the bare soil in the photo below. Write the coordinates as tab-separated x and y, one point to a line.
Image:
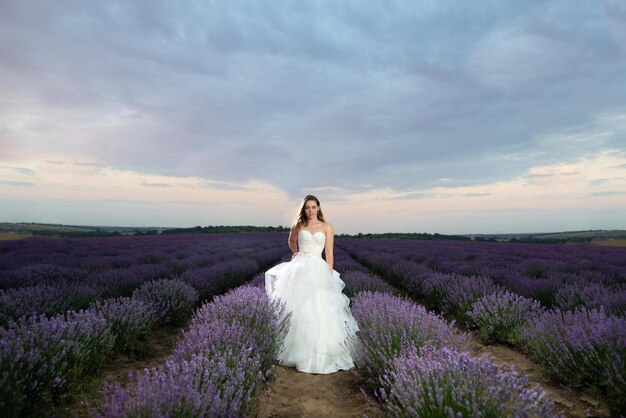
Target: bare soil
611	243
298	394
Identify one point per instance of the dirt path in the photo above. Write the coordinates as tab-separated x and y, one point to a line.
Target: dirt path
575	404
297	394
151	351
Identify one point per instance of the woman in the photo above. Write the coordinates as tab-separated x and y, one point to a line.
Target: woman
321	337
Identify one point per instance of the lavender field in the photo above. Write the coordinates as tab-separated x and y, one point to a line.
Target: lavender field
563	305
67	306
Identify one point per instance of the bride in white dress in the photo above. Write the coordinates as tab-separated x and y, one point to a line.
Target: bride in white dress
321	337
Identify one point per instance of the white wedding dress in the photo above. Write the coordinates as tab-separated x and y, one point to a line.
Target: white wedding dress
321	337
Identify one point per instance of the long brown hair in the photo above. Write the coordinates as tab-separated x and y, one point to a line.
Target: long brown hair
301	218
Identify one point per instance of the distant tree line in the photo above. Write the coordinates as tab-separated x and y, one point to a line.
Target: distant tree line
252	228
408	235
76	234
531	240
224	228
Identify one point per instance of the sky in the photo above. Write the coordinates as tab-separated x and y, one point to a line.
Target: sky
400	116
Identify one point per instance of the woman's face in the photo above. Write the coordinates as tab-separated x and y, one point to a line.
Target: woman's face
311	209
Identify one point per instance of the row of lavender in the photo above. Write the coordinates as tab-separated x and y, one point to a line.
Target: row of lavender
50	276
579	346
566	276
222	360
414	361
220	363
41	353
231	344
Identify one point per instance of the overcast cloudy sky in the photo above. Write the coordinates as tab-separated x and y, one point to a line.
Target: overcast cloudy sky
426	116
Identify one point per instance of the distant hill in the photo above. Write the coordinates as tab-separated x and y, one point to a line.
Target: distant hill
59	230
555	237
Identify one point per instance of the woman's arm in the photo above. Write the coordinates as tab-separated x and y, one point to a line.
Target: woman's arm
293	240
328	249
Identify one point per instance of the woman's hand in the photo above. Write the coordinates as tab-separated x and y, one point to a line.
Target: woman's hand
293	255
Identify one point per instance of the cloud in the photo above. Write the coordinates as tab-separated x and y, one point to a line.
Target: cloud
598	182
413	196
362	93
338	98
476	194
19	170
17	183
155	184
592	188
608	193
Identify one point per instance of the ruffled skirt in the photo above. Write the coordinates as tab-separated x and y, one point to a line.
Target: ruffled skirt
322	332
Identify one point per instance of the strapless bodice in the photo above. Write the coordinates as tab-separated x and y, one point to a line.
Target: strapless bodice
309	243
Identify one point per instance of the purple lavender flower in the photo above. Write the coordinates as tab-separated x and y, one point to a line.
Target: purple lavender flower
390	325
129	318
344	262
359	281
592	295
216	369
39	356
461	292
47	299
115	282
171	299
435	287
215	385
444	382
576	346
410	276
219	277
501	316
258	280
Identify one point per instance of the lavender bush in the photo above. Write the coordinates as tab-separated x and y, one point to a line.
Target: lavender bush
35	274
410	276
360	281
543	290
501	316
258	280
616	381
129	318
199	387
245	307
592	295
435	288
171	299
343	262
447	383
461	292
576	347
46	299
390	325
40	355
113	283
219	277
218	366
